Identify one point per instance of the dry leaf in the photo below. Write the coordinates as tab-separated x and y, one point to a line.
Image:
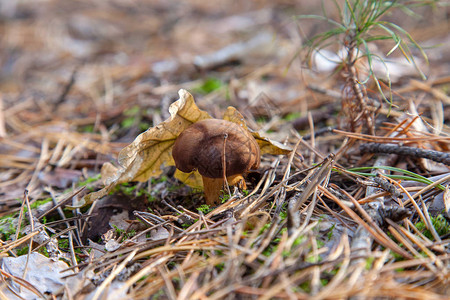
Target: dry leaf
193	179
266	145
151	150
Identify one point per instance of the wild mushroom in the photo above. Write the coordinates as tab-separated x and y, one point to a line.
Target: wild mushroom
208	145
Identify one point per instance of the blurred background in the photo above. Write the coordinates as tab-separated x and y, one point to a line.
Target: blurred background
122	50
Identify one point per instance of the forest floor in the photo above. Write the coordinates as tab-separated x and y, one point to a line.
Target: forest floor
359	206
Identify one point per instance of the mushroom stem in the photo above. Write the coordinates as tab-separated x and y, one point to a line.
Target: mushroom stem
212	188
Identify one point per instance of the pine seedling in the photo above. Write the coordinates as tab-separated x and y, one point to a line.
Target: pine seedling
361	23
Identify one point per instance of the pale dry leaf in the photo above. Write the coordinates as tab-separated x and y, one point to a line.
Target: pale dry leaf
193	179
108	172
266	145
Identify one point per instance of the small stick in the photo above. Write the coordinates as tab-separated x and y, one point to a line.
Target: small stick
436	156
2	119
224	166
67	87
30	215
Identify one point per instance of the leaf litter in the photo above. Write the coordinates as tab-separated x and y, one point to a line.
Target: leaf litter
313	223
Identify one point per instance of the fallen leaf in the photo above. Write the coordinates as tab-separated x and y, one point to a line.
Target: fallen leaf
143	158
266	145
193	179
151	150
43	274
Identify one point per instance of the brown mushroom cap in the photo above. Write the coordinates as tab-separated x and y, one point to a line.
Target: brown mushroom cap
201	147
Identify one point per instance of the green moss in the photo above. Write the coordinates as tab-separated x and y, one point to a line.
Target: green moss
87	128
209	85
22	251
320	243
204	208
220	266
38	203
440	224
90	180
397	256
292	116
63	243
43	251
151	198
133	118
187	225
171	265
132	111
264	228
127	122
130	234
330	233
174	187
129	189
160	294
369	262
143	126
6	227
126	235
305	287
269	250
299	240
312	258
224	197
262	119
142	192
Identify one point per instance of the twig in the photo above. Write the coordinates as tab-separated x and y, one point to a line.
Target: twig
2	120
224	164
358	89
436	156
67	88
30	215
18	242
